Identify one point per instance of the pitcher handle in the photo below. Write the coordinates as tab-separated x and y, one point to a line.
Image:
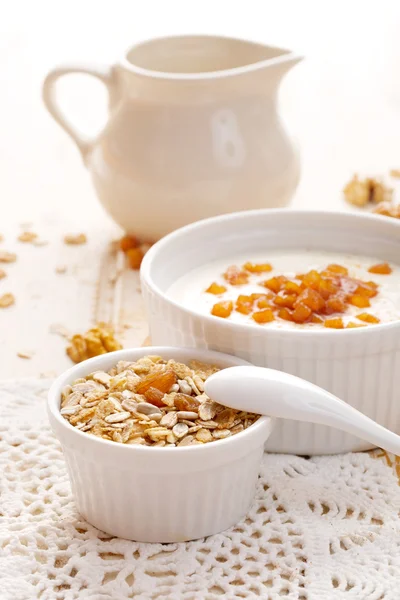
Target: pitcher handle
106	76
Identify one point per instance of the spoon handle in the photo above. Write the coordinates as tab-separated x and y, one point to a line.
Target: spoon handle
277	394
338	414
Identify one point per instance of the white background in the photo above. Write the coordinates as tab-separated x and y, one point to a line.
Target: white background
342	103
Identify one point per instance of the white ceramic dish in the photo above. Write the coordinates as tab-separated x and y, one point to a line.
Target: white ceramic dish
157	494
360	366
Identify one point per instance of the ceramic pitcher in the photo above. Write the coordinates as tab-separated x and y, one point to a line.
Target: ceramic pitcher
193	132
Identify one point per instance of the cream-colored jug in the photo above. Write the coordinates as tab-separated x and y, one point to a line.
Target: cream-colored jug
193	132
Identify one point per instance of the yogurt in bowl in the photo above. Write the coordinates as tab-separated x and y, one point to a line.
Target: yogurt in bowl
328	290
360	365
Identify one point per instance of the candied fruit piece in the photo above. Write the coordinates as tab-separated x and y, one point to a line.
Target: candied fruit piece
368	318
312	299
284	300
244	309
135	257
359	301
243	299
185	402
339	269
381	269
235	276
216	288
264	316
128	242
222	309
257	268
285	314
365	289
160	381
275	284
334	323
263	302
316	319
154	396
244	304
353	325
312	279
301	313
292	288
327	288
335	304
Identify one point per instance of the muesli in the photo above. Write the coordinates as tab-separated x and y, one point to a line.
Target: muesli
152	402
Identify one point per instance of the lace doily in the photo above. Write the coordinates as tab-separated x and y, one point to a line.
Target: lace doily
326	528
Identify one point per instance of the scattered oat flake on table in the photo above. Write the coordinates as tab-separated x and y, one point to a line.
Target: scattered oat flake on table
6	300
97	340
26	355
75	239
27	236
2	273
61	269
59	330
7	257
395	173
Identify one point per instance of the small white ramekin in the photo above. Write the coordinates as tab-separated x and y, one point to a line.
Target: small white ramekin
159	494
361	366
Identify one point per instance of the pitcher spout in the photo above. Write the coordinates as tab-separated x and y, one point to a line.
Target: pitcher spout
282	63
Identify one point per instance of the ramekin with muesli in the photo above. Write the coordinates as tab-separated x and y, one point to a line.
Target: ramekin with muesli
150	456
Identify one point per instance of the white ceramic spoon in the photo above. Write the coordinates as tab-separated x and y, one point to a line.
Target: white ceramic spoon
277	394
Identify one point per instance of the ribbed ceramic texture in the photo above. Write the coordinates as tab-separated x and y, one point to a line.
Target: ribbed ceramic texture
363	370
163	507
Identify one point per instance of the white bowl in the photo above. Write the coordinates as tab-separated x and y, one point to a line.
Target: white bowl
157	494
361	366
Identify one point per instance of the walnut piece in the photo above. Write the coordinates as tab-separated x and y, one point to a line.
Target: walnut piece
96	341
75	239
388	209
356	192
360	192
